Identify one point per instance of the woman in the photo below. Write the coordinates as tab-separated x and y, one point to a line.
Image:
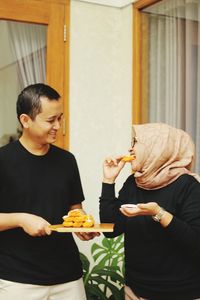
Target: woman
162	232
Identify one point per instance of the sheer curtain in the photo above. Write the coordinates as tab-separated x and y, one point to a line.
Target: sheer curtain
174	66
28	43
23	62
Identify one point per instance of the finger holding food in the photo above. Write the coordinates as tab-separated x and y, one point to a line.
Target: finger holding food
109	161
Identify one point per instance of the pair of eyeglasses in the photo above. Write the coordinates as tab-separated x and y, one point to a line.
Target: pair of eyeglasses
134	137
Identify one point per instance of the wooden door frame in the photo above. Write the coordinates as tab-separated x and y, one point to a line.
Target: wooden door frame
54	14
140	97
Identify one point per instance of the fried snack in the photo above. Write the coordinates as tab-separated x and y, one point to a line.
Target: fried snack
75	213
77	224
68	224
80	219
68	219
89	221
128	158
77	218
88	224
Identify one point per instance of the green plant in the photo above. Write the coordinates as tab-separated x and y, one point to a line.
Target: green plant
105	279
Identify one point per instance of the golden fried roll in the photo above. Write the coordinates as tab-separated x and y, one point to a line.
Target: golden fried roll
77	218
89	221
68	224
77	224
75	213
80	219
128	158
68	219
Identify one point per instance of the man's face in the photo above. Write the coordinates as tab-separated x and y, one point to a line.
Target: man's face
43	129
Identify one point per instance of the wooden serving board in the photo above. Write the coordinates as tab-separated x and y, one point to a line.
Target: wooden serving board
103	227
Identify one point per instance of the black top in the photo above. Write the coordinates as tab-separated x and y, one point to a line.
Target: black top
46	186
161	263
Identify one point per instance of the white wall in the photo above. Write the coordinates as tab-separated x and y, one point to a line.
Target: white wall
100	92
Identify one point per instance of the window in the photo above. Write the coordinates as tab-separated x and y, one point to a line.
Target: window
54	14
167	65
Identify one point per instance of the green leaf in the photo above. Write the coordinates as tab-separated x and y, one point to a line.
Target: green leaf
116	277
114	290
95	247
94	290
115	261
119	247
96	268
120	239
106	243
107	275
119	296
85	262
99	254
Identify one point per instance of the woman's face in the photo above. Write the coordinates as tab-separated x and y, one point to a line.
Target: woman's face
140	152
133	153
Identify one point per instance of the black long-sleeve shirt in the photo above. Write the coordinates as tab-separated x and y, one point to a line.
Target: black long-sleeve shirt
161	263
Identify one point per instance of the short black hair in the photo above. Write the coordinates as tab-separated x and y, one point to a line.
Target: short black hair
29	102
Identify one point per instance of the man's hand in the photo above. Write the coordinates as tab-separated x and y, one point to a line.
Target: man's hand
86	236
34	225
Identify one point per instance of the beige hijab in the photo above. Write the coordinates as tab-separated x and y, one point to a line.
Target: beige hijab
163	153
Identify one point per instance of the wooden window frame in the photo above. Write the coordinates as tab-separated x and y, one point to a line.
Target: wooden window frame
54	14
140	60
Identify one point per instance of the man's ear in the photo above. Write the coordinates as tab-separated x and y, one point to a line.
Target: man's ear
24	119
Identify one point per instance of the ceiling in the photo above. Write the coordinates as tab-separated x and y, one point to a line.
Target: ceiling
113	3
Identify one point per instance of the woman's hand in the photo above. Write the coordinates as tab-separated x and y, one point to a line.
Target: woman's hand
111	168
142	209
147	209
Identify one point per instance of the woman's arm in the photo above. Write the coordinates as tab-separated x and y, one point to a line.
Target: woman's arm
109	208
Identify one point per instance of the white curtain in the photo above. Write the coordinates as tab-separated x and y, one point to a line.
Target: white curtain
28	43
174	70
23	62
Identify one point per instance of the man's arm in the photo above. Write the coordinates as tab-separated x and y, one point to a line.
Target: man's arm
9	221
31	224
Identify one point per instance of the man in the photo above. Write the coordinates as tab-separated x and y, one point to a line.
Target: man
39	183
